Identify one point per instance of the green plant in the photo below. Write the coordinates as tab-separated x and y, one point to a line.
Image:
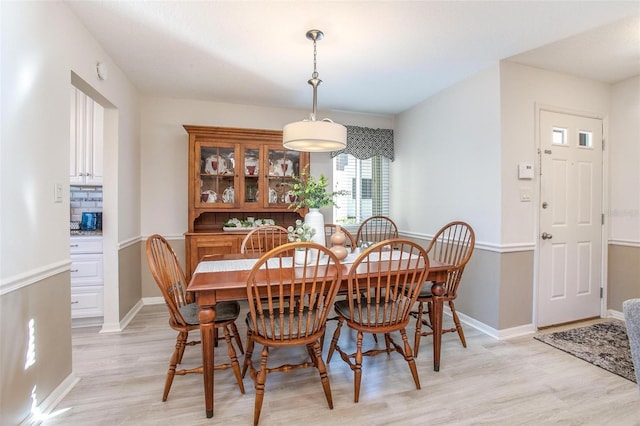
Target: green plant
302	232
312	193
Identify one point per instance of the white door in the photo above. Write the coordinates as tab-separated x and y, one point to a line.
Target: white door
570	240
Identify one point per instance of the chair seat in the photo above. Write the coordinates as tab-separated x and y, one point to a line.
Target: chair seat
372	314
283	328
426	293
225	311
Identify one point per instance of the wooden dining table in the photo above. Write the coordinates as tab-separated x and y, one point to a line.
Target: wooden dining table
224	277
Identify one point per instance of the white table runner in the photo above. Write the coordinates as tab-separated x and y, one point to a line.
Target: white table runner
246	264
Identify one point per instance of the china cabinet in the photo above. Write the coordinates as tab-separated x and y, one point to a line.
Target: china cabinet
236	173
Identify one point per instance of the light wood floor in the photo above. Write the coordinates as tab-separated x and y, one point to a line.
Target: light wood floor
514	382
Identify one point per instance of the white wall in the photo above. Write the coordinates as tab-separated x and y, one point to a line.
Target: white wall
448	160
624	155
522	88
165	146
46	44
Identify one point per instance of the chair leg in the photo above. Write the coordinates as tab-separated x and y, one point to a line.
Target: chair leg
456	321
237	337
416	340
322	369
409	357
334	340
234	359
357	368
175	356
182	347
261	378
387	343
248	353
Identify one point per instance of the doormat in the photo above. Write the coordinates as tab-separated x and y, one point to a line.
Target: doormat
604	344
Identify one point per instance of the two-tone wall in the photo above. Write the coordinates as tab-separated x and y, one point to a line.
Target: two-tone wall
623	213
463	146
45	50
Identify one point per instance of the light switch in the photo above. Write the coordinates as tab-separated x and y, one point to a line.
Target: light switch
525	195
57	192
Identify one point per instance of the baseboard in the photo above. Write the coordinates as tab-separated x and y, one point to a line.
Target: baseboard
86	322
152	301
508	333
615	314
116	328
44	410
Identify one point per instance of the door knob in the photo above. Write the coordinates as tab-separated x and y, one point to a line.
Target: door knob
546	236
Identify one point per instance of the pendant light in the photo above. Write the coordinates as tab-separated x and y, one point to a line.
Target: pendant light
311	135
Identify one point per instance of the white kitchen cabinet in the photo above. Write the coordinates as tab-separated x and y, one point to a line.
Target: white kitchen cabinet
87	277
86	144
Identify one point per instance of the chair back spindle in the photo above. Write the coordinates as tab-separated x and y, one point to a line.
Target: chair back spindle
264	238
375	229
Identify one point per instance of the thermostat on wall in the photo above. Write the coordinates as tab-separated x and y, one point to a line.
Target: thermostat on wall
525	171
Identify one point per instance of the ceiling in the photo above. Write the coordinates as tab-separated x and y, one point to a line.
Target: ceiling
379	57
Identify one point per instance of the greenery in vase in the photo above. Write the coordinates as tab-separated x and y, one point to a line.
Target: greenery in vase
237	223
301	232
312	193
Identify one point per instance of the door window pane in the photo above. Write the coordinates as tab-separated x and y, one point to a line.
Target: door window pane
559	136
584	139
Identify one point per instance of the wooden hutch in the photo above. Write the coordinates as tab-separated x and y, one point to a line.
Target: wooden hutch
236	173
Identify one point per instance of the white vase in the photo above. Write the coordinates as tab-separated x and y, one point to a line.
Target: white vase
305	257
315	220
299	257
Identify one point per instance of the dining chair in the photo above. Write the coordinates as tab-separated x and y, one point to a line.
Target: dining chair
631	311
330	228
264	238
288	306
375	229
183	311
452	244
383	285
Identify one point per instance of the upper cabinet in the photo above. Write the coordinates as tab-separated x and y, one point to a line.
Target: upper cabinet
87	135
239	171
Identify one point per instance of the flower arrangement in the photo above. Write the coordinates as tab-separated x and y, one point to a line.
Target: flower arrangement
237	223
312	193
301	232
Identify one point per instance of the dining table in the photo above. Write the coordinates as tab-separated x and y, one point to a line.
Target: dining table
224	277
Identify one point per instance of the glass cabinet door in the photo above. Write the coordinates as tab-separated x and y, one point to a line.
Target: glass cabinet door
251	173
217	176
282	165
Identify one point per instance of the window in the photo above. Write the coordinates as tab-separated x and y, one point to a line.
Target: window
559	136
584	139
366	181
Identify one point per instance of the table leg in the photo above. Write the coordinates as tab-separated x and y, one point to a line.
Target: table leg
207	316
437	289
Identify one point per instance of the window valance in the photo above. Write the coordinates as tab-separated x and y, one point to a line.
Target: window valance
364	143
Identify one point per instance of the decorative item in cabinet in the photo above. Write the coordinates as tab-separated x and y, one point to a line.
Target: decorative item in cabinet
252	184
283	165
217	175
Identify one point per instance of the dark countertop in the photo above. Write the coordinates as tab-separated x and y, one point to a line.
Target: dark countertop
81	233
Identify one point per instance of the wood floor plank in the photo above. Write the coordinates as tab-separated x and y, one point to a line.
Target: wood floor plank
519	381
